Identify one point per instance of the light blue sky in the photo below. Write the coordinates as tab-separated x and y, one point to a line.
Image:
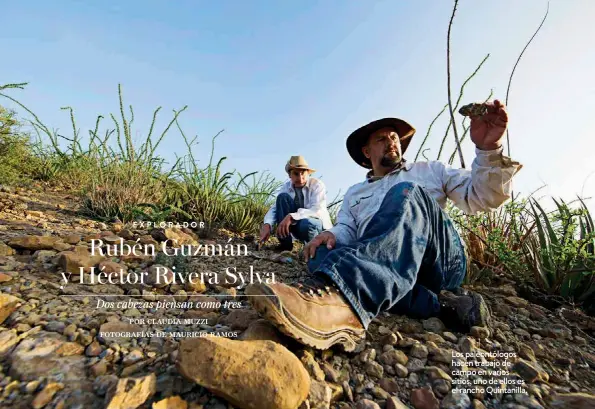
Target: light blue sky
296	77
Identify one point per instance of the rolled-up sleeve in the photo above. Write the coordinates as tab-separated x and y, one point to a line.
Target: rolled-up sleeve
483	188
345	230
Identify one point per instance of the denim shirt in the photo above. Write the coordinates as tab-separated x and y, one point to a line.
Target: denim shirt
485	187
314	203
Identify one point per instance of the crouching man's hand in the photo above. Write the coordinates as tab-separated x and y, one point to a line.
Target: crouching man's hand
265	232
326	237
283	227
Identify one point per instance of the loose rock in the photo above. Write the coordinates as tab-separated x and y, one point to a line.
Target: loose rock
433	324
392	357
455	401
46	395
239	319
423	398
419	351
261	330
374	369
5	250
394	403
312	366
173	402
572	401
389	385
8	304
33	242
530	372
366	404
320	395
130	393
73	261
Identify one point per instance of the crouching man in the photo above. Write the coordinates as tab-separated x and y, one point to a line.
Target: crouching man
300	207
394	248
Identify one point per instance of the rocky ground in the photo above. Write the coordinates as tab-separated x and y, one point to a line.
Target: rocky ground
56	350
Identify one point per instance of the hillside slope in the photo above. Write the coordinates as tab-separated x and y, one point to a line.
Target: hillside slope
52	352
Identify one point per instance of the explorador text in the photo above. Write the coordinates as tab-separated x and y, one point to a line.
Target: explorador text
170	225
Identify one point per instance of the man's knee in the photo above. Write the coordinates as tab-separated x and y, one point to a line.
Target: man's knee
388	217
307	229
402	189
310	225
284	198
397	194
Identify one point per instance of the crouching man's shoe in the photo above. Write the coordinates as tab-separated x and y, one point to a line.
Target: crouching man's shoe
314	312
284	246
463	309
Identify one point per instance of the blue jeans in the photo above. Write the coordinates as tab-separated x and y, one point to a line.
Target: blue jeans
304	229
409	252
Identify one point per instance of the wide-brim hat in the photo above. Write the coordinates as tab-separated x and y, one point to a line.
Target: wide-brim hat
298	162
359	138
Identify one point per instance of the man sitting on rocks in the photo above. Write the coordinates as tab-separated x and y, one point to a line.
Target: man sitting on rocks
300	208
394	247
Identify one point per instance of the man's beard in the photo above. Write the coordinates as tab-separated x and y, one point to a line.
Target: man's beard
390	162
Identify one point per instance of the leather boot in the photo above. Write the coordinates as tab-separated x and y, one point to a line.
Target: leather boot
313	311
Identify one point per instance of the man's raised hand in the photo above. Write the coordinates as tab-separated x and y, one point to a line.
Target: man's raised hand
326	237
488	130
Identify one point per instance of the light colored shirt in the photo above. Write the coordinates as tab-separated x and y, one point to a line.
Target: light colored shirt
314	203
485	187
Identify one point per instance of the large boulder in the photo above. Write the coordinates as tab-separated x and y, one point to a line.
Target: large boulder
248	374
48	354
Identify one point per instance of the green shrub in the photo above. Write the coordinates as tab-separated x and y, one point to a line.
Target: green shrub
220	199
553	251
560	253
117	191
494	240
17	161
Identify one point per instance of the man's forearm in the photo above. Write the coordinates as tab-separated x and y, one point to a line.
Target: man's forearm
483	188
343	234
491	178
269	217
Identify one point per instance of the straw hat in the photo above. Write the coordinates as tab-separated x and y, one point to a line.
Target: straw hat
298	162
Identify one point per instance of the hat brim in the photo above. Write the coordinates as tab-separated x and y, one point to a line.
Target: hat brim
289	168
359	138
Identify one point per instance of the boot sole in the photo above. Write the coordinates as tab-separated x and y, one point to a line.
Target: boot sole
272	307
